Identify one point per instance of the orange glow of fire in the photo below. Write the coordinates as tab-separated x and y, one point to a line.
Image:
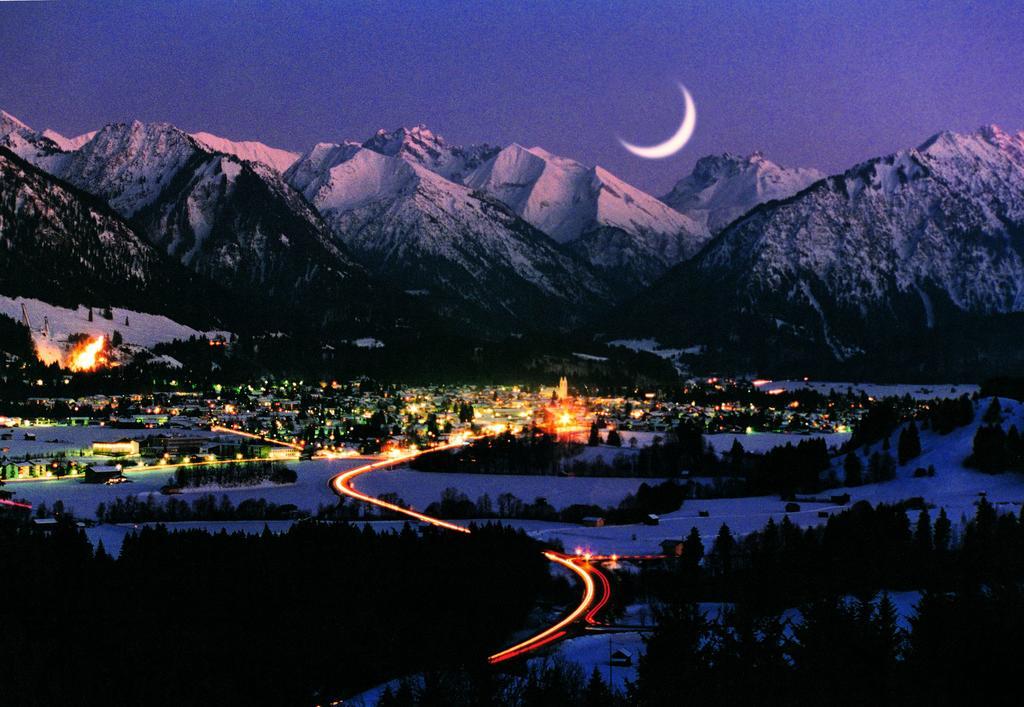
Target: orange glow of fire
88	356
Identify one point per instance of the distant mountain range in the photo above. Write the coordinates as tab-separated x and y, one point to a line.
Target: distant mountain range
914	261
762	266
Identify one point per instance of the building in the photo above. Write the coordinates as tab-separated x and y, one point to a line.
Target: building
158	445
593	522
120	448
101	473
621	657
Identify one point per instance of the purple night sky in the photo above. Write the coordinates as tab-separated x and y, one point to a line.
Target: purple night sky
822	84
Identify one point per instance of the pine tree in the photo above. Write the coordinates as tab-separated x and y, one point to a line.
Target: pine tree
909	445
723	550
614	440
595	435
736	454
693	547
943	532
852	470
890	637
923	532
994	414
596	693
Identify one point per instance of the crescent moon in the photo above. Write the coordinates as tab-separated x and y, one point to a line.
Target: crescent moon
675	143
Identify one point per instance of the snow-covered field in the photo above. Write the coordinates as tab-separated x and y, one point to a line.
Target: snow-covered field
652	346
742	515
757	442
307	493
760	442
76	441
420	488
879	390
593	649
143	329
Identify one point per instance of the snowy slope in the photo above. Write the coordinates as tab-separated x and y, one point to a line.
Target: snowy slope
615	226
722	188
29	144
275	158
68	144
138	328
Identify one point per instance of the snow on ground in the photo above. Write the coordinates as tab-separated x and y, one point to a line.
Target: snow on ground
879	390
420	488
954	487
652	346
757	442
592	650
905	603
143	329
307	492
742	515
76	441
760	442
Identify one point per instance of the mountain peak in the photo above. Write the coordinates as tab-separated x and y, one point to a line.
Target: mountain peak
393	142
253	151
68	144
723	187
421	146
8	123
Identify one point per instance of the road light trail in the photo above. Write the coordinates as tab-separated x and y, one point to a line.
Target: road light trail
557	630
250	435
341	484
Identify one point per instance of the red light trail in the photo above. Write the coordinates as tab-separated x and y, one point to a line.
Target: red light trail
606	594
548	635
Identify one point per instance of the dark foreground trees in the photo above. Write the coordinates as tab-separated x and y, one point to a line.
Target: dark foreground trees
190	618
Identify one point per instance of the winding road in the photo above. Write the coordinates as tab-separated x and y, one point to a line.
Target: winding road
592	601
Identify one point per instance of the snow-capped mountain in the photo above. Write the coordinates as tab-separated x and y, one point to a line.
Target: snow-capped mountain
129	164
427	233
618	228
420	146
67	247
68	144
721	188
926	244
273	157
233	221
28	144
